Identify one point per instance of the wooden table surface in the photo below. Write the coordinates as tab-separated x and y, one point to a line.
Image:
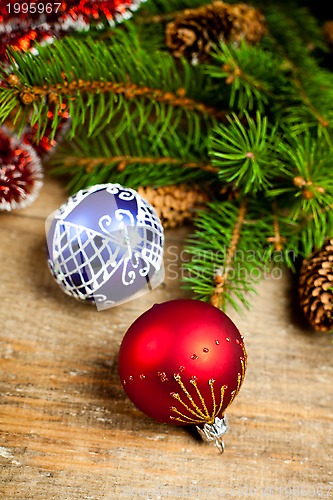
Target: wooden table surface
68	431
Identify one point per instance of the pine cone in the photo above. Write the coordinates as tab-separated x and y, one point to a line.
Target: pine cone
316	288
194	31
175	204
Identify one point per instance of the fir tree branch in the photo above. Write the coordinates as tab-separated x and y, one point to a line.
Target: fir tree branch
89	164
313	229
224	236
52	93
253	74
154	122
305	98
233	247
246	155
304	190
101	82
286	33
304	183
220	280
134	157
277	239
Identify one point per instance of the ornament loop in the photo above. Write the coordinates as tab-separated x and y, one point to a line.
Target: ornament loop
214	432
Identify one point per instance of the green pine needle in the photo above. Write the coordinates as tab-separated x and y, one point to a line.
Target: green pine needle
103	82
133	157
252	74
245	153
237	249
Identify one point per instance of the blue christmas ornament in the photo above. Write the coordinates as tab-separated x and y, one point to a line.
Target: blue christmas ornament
105	245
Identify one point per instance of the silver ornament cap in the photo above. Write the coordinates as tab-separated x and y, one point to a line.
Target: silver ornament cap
214	432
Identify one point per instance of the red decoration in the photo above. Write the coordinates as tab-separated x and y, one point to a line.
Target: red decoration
65	13
46	144
24	22
183	362
23	40
20	172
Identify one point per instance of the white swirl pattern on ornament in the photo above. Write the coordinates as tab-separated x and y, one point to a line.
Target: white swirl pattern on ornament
106	220
103	298
120	215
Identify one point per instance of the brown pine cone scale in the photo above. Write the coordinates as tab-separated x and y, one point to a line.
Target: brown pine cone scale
175	204
316	288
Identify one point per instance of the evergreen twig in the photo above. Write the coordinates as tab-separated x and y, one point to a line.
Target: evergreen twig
254	120
221	279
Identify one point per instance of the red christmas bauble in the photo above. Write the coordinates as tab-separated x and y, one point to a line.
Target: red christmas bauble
182	362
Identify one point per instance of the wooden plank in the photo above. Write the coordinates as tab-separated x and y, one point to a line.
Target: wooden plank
68	431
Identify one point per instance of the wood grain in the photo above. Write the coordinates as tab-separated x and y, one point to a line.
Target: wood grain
68	431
